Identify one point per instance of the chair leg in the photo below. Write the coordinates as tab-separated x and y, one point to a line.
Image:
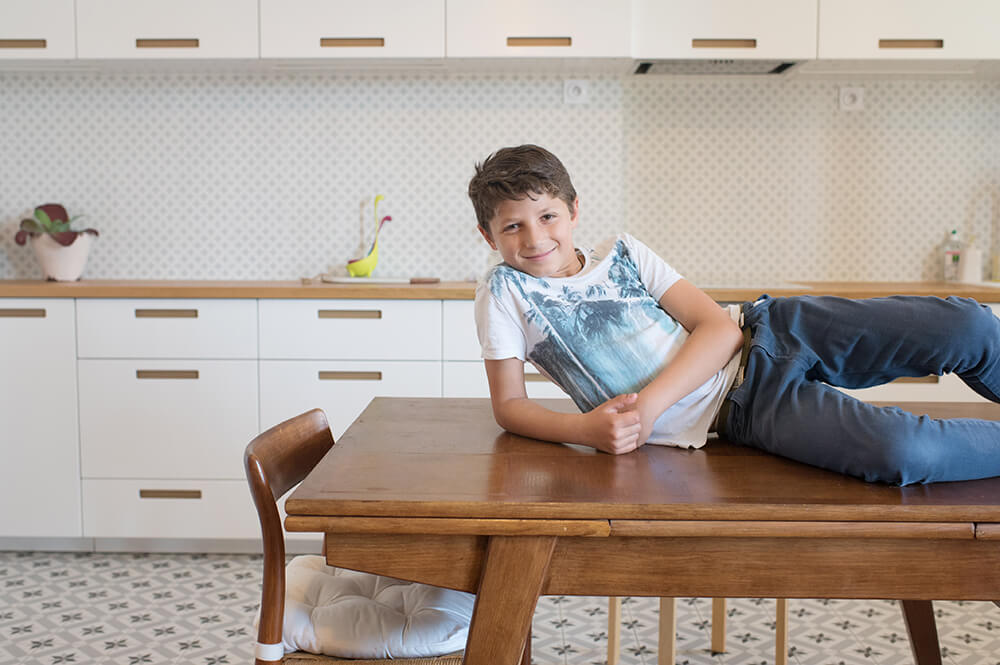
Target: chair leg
667	648
781	632
918	615
718	625
614	629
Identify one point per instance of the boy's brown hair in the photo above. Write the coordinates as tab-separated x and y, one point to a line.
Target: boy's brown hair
513	173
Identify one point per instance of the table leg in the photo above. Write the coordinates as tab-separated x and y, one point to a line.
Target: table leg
918	615
514	571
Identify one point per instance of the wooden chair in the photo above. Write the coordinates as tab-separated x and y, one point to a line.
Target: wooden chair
276	461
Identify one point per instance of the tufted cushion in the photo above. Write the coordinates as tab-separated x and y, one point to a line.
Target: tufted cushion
348	614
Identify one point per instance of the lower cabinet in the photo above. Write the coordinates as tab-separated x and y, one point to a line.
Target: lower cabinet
40	470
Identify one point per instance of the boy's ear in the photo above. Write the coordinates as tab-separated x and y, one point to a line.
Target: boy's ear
488	237
575	212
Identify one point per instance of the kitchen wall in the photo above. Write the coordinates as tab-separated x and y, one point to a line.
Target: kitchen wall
261	175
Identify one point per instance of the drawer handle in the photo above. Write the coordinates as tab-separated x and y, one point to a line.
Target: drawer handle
351	42
22	313
350	313
169	494
166	374
22	43
911	43
166	314
918	379
166	43
723	43
325	375
539	41
531	377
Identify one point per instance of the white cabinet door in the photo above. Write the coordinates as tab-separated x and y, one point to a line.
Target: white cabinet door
724	29
458	332
166	418
467	378
40	472
538	28
874	29
341	388
351	29
37	29
167	28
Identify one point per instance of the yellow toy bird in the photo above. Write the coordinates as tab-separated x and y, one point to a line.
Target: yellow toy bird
364	266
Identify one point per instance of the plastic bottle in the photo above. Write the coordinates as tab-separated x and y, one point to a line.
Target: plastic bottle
970	265
952	256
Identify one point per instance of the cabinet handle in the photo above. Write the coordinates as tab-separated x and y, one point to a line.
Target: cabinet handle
166	374
166	314
333	42
918	379
22	313
911	43
539	41
327	375
169	494
723	43
166	43
22	43
349	313
531	377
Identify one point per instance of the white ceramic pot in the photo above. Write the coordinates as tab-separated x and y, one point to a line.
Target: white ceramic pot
63	264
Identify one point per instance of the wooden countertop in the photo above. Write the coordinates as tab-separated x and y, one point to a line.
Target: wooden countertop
442	290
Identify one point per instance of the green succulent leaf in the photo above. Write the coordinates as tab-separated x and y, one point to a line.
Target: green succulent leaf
31	226
43	218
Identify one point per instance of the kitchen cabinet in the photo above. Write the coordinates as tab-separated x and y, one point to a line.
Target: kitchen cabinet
168	402
538	29
884	29
729	29
340	354
40	473
172	29
41	29
351	29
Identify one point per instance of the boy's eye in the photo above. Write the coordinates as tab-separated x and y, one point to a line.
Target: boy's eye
510	227
549	216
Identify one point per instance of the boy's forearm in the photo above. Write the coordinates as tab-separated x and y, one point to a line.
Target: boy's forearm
527	418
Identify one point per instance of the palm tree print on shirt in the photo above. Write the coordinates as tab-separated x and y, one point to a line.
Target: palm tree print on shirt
599	339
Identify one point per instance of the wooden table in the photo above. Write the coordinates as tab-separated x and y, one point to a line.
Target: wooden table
432	490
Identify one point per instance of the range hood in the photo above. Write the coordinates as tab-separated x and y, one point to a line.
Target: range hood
707	67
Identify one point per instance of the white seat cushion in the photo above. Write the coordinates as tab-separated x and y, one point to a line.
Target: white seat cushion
347	614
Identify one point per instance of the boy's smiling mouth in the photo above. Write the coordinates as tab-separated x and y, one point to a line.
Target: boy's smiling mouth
537	257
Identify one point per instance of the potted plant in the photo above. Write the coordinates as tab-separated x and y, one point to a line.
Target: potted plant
61	251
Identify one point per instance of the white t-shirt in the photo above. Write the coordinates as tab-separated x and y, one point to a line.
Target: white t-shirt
600	333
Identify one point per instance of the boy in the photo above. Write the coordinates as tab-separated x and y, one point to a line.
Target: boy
650	358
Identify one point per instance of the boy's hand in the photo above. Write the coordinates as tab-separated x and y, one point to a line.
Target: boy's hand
614	426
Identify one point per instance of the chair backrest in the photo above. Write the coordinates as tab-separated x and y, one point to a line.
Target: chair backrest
275	461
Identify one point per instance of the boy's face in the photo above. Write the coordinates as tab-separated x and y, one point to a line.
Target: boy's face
536	235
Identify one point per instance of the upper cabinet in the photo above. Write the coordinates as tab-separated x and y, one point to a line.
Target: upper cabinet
167	28
37	29
351	29
871	29
749	29
538	28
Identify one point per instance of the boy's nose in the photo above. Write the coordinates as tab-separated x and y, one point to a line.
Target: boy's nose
532	235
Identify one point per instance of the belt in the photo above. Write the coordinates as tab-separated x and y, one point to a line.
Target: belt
723	417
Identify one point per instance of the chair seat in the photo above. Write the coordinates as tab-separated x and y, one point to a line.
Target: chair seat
303	658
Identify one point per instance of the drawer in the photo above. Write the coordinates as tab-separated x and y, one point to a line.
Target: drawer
351	29
156	328
342	388
459	331
468	379
350	329
166	418
173	509
167	29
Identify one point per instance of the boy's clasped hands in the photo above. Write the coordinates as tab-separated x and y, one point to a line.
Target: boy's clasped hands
616	426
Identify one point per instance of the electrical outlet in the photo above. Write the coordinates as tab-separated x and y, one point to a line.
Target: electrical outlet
852	99
576	91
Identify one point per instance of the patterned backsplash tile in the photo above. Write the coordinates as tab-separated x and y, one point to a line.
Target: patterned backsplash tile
262	175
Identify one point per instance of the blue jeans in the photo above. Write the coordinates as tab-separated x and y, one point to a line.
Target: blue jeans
802	346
